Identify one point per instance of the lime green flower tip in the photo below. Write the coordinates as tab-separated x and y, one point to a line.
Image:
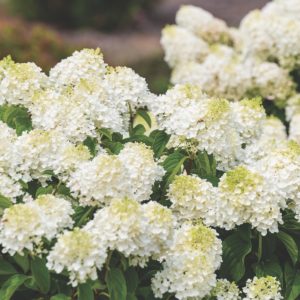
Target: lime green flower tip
201	237
216	109
253	103
240	177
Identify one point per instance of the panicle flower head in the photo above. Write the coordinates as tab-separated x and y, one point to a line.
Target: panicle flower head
182	46
263	288
225	290
137	231
203	24
84	64
189	266
193	198
245	196
19	82
24	225
79	253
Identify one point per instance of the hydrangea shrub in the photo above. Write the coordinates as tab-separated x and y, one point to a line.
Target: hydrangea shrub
108	191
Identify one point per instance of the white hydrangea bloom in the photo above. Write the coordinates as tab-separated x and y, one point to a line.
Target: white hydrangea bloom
106	176
124	87
203	24
272	36
281	167
79	253
272	82
225	290
189	266
140	169
288	8
224	73
246	196
98	181
35	152
181	46
84	64
263	288
70	157
24	225
19	82
185	112
193	198
21	228
221	74
62	111
249	116
55	212
273	137
9	187
160	230
137	231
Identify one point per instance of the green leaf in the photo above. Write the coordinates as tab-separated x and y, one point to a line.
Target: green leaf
138	130
22	261
82	215
172	165
290	223
91	143
292	282
16	117
6	268
85	292
106	132
5	202
40	274
60	297
131	297
11	285
44	190
145	116
114	147
235	248
116	284
132	279
289	244
140	138
160	141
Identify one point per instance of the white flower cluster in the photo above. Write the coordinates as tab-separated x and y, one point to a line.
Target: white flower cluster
30	155
225	290
131	174
272	34
24	225
139	231
254	59
264	288
242	196
79	253
212	124
81	94
190	264
193	198
245	196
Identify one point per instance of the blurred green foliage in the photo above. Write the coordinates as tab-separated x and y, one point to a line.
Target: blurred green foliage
104	14
34	43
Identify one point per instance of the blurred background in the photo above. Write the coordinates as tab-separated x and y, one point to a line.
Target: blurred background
127	31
